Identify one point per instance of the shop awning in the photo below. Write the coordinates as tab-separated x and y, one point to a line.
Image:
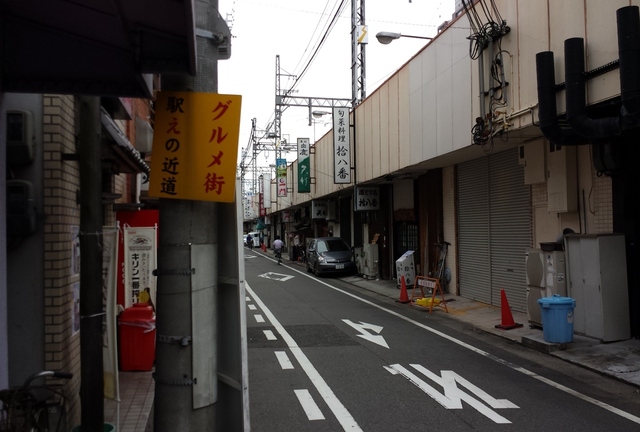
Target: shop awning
94	47
120	153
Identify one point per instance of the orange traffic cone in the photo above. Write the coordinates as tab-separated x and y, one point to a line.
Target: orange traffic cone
263	247
507	317
404	297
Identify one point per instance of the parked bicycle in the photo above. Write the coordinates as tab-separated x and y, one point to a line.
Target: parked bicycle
439	270
35	406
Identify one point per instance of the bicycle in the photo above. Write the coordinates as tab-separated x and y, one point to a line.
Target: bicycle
439	271
278	253
34	408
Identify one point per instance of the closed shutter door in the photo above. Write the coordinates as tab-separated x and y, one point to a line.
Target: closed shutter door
510	218
473	229
494	229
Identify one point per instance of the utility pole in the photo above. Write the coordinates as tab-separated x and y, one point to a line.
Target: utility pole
358	54
196	274
91	311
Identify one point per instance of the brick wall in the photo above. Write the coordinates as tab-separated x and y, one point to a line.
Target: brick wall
61	181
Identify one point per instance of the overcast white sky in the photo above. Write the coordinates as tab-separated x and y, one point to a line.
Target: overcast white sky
262	29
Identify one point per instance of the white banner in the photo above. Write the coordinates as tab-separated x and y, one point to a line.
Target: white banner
139	263
341	146
109	338
267	192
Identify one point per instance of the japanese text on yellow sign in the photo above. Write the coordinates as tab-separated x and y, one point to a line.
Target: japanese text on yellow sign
195	146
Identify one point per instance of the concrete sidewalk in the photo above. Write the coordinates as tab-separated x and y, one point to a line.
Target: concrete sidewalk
620	360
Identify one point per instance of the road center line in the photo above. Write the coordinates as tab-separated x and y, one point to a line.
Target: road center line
309	406
343	416
497	359
284	361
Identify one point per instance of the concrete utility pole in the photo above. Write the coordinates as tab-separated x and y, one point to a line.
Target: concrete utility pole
186	392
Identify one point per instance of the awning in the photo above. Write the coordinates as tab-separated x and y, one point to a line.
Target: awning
101	47
123	156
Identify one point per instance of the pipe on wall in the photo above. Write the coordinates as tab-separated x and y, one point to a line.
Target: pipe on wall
585	130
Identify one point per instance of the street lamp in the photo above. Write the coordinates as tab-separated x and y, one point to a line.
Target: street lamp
317	115
386	37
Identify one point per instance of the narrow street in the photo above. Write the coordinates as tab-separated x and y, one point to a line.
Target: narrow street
325	355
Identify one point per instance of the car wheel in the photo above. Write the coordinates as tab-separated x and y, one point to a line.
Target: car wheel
308	268
316	271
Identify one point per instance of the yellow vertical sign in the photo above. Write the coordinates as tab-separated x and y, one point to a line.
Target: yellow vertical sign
195	146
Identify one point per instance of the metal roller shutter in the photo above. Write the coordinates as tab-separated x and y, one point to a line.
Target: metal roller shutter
473	230
510	229
494	229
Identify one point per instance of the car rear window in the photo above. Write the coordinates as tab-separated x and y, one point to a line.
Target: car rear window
337	245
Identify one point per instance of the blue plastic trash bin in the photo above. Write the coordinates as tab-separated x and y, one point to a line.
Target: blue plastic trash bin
557	318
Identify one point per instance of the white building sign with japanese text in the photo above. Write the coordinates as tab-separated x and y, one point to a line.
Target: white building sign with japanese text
341	146
318	209
367	198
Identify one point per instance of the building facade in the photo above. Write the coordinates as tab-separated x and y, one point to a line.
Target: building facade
464	144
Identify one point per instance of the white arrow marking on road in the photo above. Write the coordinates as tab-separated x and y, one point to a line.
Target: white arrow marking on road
364	334
453	396
276	276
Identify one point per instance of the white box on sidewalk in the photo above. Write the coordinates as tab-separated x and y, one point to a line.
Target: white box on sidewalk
406	267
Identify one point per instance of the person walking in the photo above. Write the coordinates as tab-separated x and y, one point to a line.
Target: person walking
277	247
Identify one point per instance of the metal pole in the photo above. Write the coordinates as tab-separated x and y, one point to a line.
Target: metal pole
91	307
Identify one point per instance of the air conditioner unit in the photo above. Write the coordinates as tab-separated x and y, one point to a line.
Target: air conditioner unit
370	269
359	255
534	263
545	274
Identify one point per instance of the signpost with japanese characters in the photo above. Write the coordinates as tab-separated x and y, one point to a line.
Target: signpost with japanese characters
341	146
367	198
318	209
266	187
304	166
281	176
195	146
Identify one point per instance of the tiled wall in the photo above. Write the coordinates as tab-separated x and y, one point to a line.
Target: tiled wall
600	204
61	181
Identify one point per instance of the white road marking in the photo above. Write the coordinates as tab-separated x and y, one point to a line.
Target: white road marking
269	334
364	334
503	362
276	276
259	318
284	361
252	307
343	416
247	298
309	406
453	396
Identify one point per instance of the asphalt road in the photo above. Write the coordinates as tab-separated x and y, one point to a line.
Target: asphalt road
327	356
